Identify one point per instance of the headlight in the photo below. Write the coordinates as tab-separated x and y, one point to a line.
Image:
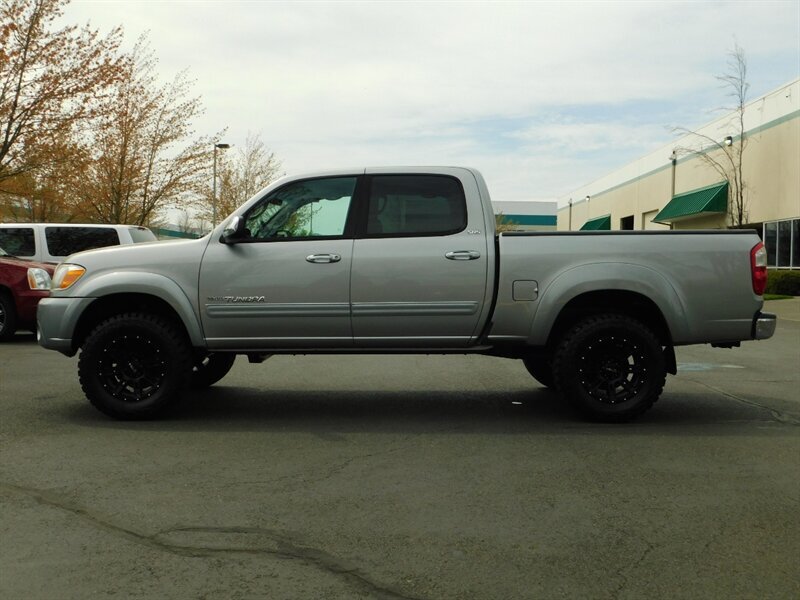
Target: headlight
38	279
67	274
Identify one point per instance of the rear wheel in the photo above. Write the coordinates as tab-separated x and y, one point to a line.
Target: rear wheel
210	369
8	317
610	367
133	366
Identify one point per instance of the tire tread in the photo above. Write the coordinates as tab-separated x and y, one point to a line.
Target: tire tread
172	336
565	351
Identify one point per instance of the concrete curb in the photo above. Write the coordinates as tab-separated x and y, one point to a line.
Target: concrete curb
787	310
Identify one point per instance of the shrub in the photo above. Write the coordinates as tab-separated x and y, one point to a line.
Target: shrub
783	282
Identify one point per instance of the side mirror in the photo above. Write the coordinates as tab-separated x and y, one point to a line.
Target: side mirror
234	231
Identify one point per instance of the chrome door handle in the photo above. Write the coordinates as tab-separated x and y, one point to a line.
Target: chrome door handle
463	255
323	258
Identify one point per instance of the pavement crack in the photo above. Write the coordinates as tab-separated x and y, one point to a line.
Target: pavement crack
257	541
776	414
623	570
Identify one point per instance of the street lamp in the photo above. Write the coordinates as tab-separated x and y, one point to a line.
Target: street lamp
214	198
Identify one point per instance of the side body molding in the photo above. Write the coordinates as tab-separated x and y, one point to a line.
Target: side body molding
160	286
608	276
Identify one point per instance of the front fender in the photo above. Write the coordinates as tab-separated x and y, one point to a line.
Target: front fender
153	284
607	276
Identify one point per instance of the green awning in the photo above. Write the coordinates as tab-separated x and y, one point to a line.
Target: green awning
597	223
711	199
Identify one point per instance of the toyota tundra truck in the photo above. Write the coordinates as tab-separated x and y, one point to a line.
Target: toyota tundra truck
401	260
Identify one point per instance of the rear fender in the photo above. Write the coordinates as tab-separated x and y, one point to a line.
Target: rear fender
607	276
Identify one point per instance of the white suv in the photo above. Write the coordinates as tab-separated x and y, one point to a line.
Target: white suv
52	242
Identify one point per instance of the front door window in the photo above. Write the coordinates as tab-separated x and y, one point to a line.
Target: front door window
315	208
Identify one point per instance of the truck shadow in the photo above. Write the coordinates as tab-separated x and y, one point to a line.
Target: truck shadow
329	413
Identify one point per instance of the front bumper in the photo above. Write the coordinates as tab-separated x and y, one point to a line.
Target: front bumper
56	320
764	325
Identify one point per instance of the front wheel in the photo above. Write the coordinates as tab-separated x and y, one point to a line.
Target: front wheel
610	367
133	366
210	369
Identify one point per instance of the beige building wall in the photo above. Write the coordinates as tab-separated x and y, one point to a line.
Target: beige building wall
771	169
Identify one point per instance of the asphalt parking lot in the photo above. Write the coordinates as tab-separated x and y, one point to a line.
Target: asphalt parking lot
405	477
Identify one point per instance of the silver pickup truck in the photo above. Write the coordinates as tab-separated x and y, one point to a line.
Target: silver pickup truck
401	260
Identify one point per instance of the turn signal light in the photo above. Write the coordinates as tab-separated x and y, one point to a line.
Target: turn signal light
66	275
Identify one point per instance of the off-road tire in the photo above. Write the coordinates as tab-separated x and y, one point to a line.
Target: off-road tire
210	369
610	367
133	366
540	369
8	317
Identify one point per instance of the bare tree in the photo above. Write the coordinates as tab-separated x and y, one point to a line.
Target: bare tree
726	156
241	172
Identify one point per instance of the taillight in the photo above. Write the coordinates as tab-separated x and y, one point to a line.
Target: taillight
758	268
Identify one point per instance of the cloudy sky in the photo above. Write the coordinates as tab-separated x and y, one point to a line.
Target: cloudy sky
542	97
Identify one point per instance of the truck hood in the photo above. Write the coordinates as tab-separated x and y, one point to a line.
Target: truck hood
140	255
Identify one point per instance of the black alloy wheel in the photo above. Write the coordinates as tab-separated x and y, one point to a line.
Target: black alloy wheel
133	366
611	367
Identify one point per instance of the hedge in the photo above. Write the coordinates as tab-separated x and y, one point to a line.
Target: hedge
783	282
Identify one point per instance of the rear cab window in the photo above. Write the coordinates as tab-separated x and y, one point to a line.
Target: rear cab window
18	241
63	241
415	205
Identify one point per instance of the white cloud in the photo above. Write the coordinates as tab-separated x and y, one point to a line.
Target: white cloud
334	84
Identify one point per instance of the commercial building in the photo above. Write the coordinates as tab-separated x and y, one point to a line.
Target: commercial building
677	187
527	215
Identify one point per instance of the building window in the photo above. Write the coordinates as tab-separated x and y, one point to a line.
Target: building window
782	239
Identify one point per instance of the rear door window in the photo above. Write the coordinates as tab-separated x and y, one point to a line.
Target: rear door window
415	205
18	241
63	241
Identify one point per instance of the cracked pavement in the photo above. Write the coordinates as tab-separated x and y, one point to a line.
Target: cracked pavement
404	477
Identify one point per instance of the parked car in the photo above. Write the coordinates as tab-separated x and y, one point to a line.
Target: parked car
22	284
403	260
53	242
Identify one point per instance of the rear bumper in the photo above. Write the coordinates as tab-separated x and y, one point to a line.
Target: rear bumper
764	325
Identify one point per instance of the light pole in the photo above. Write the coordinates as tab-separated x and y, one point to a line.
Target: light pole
214	199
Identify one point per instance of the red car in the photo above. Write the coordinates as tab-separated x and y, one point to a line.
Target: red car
22	284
